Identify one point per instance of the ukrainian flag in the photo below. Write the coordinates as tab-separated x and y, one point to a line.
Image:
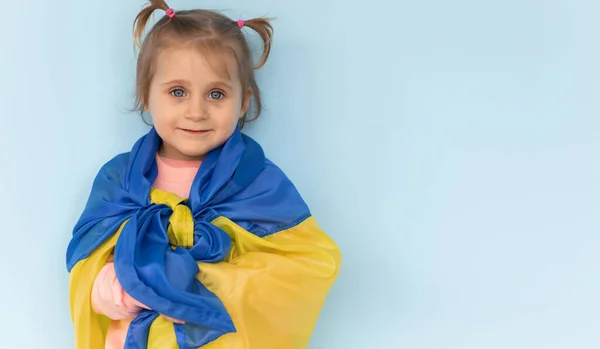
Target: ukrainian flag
242	261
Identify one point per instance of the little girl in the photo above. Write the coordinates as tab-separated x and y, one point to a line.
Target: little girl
193	239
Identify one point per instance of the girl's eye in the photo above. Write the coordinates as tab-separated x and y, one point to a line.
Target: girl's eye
178	93
216	94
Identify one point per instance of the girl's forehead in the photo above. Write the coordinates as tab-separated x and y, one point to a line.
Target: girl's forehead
187	62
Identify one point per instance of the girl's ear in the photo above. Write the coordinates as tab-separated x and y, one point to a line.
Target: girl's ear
246	102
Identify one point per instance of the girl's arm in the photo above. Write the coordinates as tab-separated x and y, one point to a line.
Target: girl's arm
108	297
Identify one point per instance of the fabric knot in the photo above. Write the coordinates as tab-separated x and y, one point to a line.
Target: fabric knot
181	223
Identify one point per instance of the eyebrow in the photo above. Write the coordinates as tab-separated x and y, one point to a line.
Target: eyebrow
186	82
176	82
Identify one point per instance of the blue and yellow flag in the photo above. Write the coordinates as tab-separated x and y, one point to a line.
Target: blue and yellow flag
242	261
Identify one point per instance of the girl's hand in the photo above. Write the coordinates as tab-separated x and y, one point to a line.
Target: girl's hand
112	299
109	298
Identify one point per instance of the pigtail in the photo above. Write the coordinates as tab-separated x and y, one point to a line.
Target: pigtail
265	30
141	20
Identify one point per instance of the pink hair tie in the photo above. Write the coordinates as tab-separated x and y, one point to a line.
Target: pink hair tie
171	13
240	23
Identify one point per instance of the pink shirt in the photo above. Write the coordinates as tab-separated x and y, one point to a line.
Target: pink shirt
108	297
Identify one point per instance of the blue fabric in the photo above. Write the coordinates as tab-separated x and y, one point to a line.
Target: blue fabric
235	181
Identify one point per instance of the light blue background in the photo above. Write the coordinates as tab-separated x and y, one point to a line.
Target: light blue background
449	147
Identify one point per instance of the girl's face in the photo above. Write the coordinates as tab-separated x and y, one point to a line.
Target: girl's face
194	109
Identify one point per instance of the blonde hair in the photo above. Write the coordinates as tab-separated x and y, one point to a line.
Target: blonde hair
212	33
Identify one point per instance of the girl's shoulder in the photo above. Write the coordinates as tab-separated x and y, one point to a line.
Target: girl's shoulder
114	168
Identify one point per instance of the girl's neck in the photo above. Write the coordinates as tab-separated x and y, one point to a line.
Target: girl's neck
179	163
170	153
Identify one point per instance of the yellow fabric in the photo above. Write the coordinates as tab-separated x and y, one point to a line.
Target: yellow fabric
273	287
90	328
181	227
